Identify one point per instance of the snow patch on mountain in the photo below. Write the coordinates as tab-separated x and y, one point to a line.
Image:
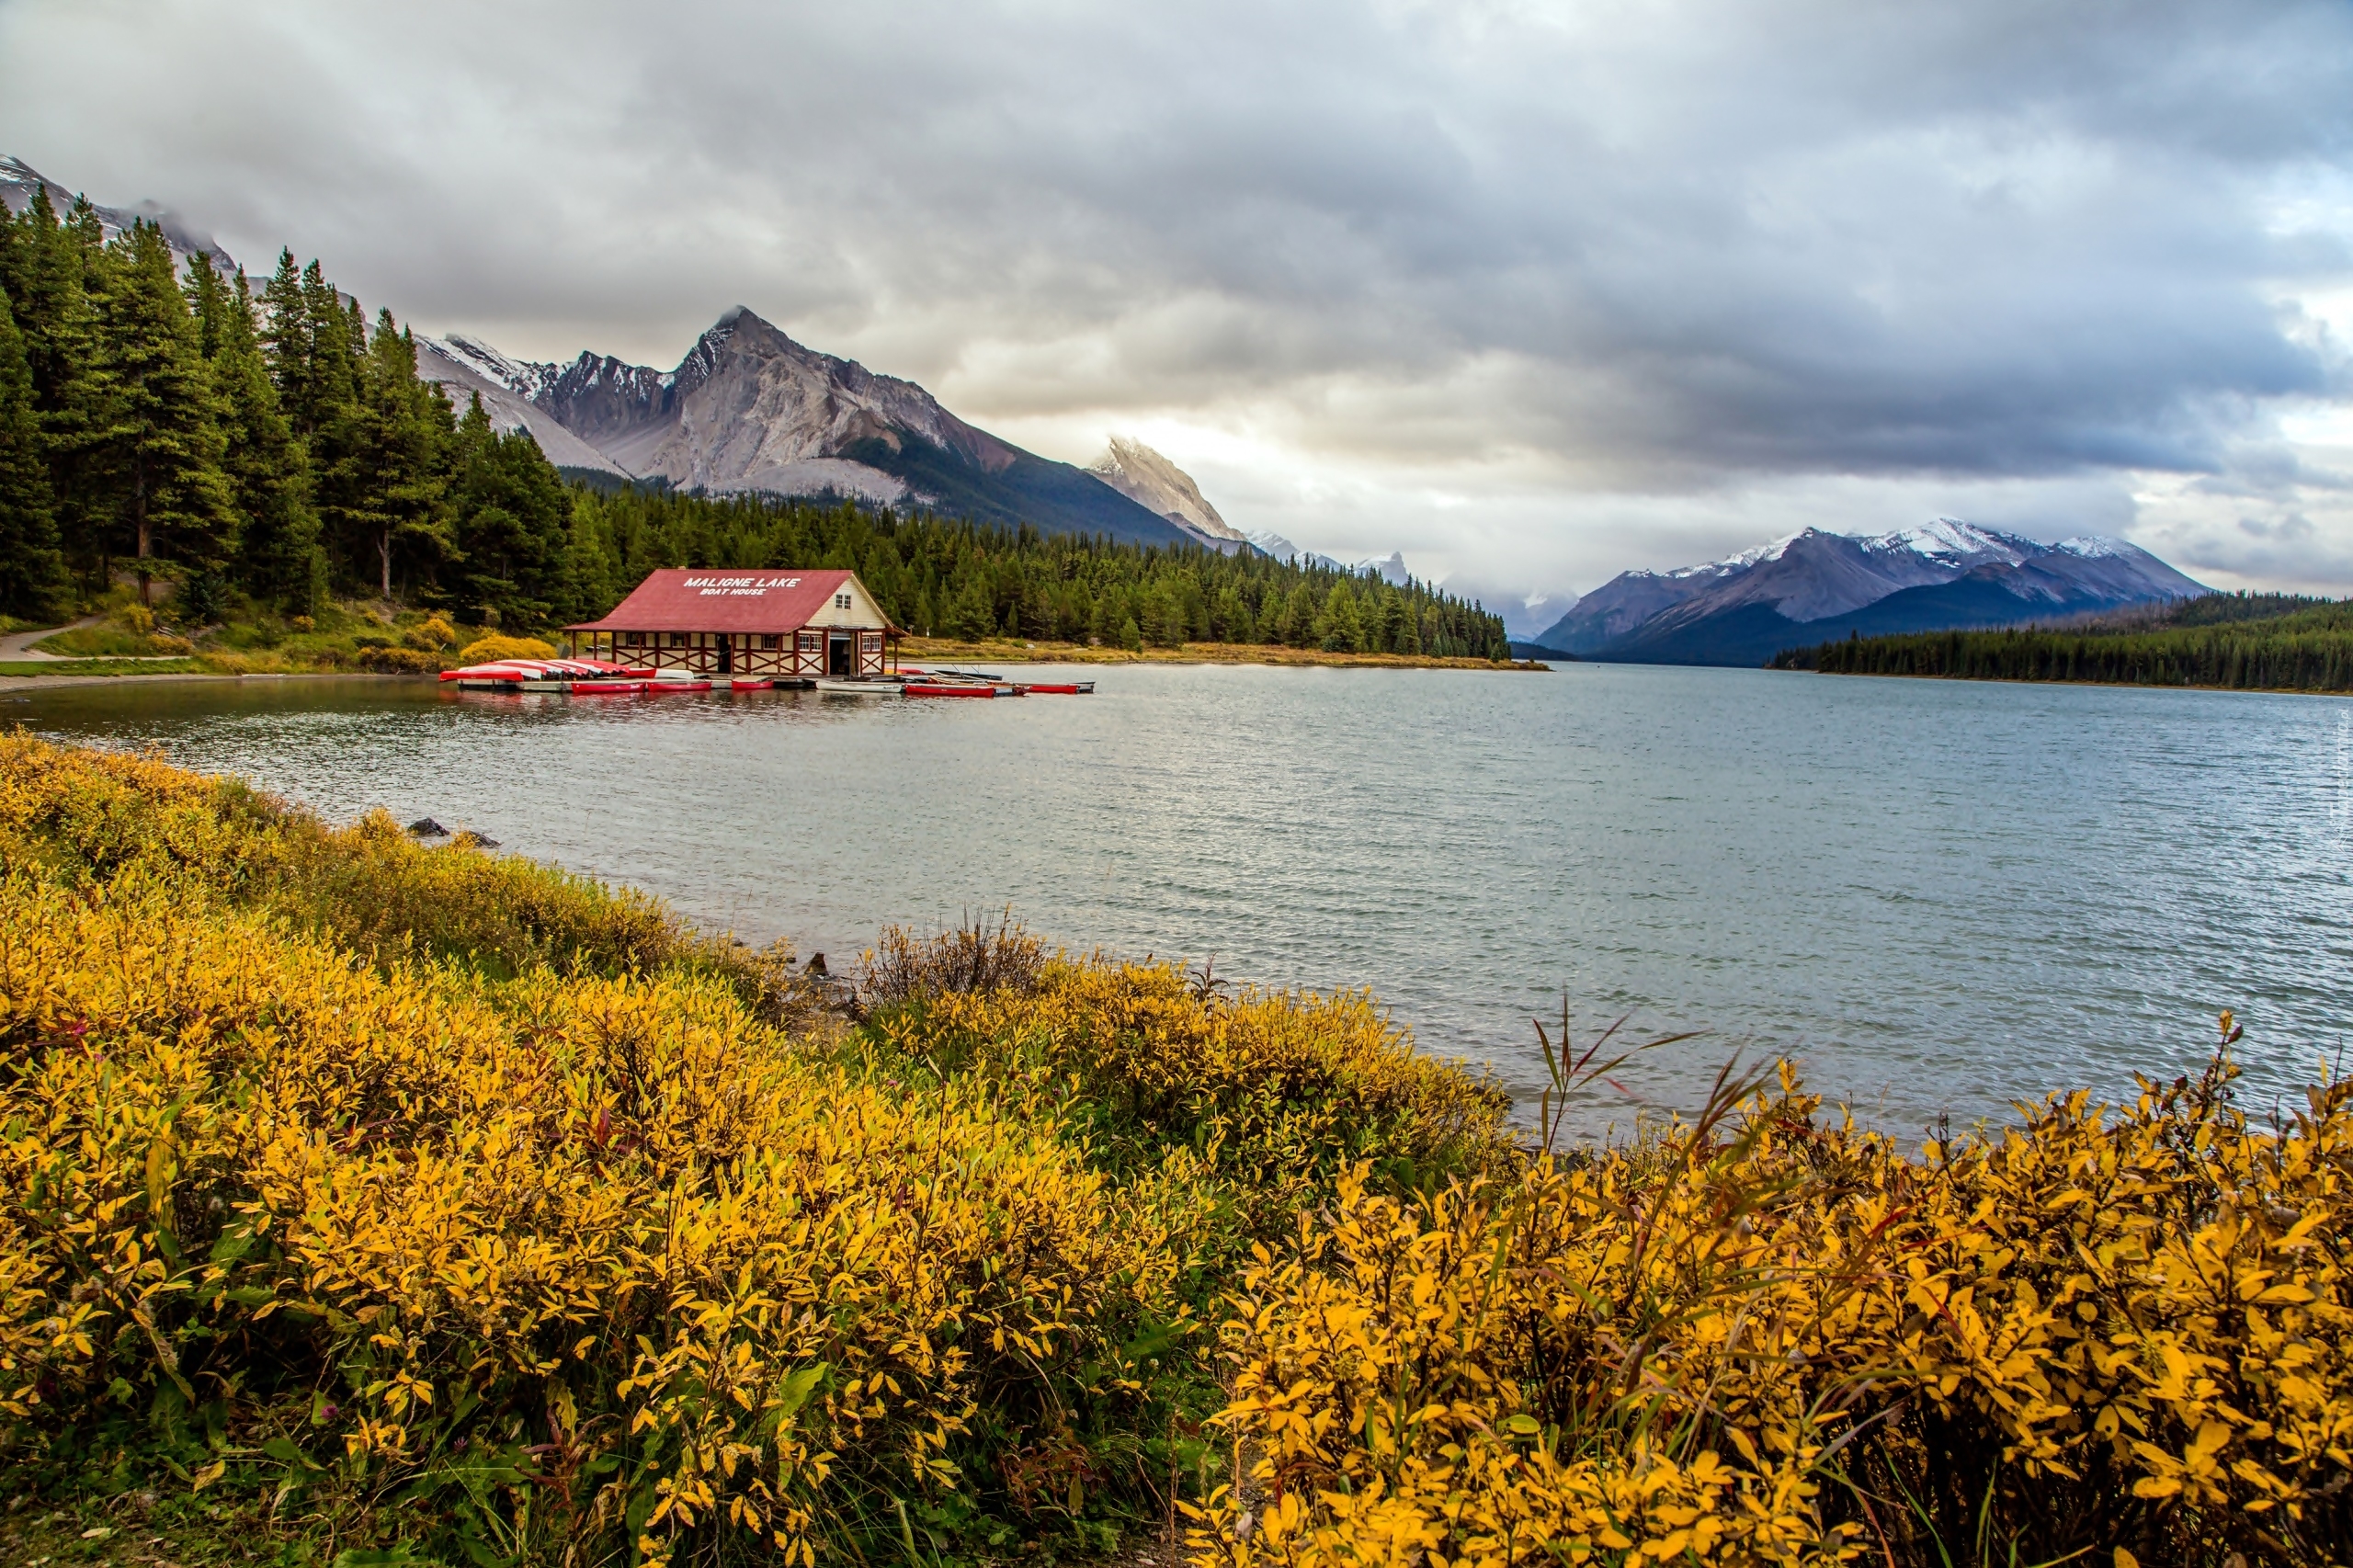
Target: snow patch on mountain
524	378
466	371
2100	547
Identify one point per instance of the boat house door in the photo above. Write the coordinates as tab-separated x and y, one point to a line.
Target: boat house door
839	655
727	655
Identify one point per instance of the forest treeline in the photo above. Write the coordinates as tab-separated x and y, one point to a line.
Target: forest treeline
2271	641
256	453
948	578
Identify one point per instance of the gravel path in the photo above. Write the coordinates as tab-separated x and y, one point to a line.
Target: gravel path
19	644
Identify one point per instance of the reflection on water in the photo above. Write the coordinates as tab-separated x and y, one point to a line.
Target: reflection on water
1940	896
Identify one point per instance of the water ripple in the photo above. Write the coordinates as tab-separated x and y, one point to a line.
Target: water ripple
1940	896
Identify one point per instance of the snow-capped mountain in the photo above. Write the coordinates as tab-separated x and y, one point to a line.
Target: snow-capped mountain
749	409
1150	480
1390	568
467	371
20	180
1815	584
521	377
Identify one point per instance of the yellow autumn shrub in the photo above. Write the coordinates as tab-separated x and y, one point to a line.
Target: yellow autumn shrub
1275	1092
497	646
1773	1337
398	661
84	817
616	1223
432	633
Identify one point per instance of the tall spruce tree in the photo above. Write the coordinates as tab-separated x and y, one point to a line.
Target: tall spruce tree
512	518
394	502
157	435
48	265
278	556
32	568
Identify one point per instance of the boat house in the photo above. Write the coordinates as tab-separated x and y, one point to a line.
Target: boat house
783	624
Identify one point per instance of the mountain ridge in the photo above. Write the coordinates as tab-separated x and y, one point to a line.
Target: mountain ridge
749	408
1812	584
20	180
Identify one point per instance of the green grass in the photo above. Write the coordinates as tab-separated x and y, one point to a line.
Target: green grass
101	666
97	642
143	1526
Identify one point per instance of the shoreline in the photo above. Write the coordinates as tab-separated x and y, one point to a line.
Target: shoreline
2102	684
931	651
21	683
931	648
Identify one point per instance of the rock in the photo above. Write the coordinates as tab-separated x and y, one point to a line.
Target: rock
425	827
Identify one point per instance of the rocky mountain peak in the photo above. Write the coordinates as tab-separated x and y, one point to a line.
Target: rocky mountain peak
1150	480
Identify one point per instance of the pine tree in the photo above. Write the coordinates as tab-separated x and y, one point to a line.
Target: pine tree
971	615
32	569
512	518
393	481
157	435
1336	627
1299	615
46	269
278	556
286	345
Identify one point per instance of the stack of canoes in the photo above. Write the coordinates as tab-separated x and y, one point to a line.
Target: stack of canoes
978	682
573	677
596	678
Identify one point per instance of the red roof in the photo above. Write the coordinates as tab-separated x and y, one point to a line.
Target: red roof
700	599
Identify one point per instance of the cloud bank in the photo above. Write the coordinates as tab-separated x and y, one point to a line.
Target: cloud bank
1533	291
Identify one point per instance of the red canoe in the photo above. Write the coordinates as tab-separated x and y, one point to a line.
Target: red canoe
926	689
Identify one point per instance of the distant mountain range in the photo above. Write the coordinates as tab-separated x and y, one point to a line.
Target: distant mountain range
1814	587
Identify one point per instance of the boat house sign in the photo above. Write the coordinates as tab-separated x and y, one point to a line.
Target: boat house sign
735	586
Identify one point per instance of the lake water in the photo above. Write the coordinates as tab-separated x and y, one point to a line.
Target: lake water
1937	896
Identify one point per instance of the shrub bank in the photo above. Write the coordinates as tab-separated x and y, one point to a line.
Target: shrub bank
1772	1337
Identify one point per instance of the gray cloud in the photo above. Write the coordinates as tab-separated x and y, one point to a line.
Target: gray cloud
1621	280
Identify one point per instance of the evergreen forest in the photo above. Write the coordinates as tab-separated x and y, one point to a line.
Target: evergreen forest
2248	642
254	456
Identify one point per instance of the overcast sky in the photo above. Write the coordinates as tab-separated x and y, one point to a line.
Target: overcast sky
1533	292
